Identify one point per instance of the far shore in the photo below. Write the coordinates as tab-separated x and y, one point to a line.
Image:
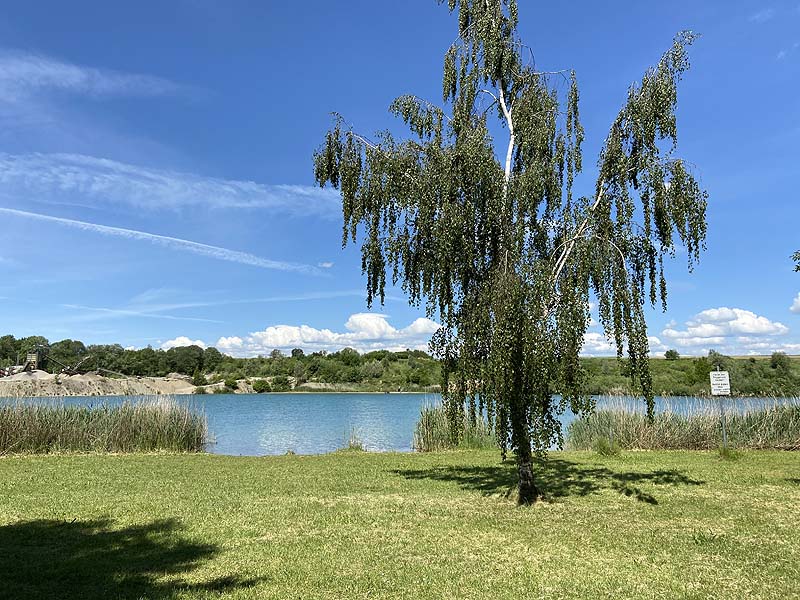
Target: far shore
39	384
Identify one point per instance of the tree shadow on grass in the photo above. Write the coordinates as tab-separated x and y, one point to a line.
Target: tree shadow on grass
556	478
92	560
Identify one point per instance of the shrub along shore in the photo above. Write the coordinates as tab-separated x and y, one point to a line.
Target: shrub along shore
773	427
758	425
160	424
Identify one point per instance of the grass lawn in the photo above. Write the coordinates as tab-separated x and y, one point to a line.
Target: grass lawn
357	525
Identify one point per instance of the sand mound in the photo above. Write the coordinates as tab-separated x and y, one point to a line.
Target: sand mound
31	376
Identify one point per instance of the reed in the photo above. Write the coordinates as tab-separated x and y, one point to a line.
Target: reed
691	424
151	424
353	442
432	432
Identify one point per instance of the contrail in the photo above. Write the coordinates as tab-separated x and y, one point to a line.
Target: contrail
121	312
171	242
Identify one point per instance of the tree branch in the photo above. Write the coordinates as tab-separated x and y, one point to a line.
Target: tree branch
511	139
571	245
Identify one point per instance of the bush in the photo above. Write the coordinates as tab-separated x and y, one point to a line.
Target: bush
261	386
779	361
199	379
672	355
281	384
231	383
605	447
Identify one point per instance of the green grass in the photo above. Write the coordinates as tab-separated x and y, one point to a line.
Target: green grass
144	426
368	525
776	426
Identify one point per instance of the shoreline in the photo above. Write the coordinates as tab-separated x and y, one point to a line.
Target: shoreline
39	384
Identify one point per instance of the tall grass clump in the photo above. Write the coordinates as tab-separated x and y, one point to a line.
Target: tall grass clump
353	442
432	432
756	424
149	425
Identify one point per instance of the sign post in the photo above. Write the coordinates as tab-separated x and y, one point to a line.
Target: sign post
721	386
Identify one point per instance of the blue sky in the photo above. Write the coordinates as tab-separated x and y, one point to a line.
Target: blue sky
156	185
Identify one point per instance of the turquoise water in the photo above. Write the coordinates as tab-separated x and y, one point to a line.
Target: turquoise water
259	424
254	425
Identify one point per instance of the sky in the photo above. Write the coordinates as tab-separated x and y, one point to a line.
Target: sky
156	178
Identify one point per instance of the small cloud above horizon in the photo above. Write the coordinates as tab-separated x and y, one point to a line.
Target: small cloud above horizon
762	16
182	341
784	53
795	307
365	332
24	73
731	330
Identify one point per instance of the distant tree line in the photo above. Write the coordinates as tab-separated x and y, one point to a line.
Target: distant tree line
777	374
381	368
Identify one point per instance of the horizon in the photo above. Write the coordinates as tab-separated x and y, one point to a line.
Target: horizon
163	195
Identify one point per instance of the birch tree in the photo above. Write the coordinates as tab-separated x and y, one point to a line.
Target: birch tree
487	231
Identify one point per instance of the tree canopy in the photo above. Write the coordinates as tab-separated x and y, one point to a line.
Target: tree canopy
796	258
492	238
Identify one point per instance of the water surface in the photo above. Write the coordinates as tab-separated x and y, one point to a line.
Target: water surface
259	424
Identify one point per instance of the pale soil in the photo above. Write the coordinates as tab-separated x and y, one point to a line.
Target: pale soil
40	383
43	384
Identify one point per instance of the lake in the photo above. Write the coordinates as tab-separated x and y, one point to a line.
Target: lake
260	424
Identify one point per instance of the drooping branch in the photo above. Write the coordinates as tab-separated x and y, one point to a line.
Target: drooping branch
495	244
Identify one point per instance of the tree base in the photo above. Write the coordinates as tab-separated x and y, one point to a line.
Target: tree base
527	491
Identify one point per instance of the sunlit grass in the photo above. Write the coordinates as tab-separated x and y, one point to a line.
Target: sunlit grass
391	525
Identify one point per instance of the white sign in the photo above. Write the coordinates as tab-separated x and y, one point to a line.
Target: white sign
720	383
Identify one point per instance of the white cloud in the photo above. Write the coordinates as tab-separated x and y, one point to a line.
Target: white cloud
216	252
732	330
596	344
656	345
795	307
325	264
762	16
181	341
23	74
100	313
63	177
785	52
365	332
9	262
